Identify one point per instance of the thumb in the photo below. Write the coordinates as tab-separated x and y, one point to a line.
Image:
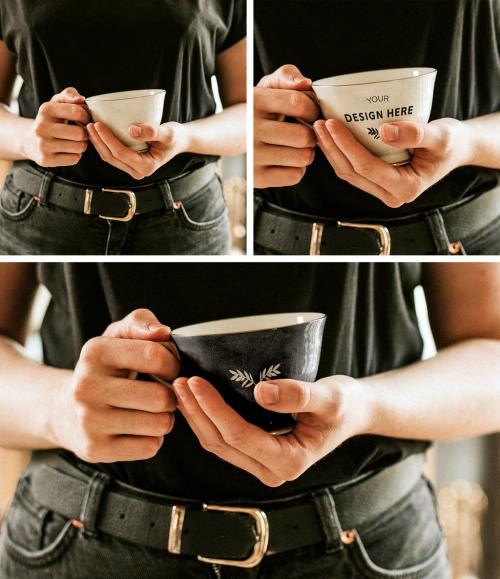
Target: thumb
294	396
140	324
409	135
286	77
143	132
68	95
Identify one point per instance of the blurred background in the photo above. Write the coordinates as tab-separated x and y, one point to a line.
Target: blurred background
466	475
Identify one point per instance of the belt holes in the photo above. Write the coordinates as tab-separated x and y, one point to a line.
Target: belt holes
152	525
273	230
122	516
297	238
296	527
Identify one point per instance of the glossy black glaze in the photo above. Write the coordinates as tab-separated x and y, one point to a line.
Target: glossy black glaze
234	363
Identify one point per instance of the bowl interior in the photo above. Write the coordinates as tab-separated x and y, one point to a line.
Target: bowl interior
374	76
126	95
247	324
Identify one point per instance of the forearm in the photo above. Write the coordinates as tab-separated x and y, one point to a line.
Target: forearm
483	134
453	395
29	399
14	134
221	134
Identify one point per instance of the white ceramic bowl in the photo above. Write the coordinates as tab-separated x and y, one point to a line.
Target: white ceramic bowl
363	101
119	110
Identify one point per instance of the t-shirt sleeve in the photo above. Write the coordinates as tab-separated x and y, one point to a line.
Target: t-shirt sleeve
236	24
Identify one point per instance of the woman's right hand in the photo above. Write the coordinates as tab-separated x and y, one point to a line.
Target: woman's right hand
106	414
282	150
54	141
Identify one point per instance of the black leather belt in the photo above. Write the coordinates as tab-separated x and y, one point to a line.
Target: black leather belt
108	203
237	535
291	233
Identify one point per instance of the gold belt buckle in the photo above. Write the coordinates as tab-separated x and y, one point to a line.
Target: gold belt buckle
132	203
384	236
261	542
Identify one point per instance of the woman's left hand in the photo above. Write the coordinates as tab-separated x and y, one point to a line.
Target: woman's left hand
329	412
165	142
439	147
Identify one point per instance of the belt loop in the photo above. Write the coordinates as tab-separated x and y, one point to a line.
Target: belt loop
92	502
437	226
166	193
45	184
325	506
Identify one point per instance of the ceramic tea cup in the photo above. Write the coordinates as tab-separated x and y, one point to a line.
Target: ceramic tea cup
119	110
363	101
235	354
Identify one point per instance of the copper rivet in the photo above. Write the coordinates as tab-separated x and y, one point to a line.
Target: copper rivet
454	248
348	537
76	523
177	205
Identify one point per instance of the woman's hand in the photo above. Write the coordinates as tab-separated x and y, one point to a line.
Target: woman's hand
53	140
329	412
165	142
440	147
282	150
107	415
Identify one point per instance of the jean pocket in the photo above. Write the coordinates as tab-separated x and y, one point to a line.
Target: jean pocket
484	242
34	535
406	542
205	209
15	204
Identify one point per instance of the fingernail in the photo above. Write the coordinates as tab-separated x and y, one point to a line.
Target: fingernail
269	392
330	127
153	326
135	131
391	132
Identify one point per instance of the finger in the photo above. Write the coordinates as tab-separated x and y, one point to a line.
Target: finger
69	94
141	324
142	132
133	422
291	396
409	135
291	103
62	131
56	146
345	171
64	160
283	156
287	76
106	155
235	430
287	134
64	111
117	148
396	181
211	439
138	395
131	448
124	354
278	176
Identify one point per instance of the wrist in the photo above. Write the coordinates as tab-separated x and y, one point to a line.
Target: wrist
26	143
58	410
466	143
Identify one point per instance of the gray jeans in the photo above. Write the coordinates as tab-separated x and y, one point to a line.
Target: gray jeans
406	542
200	226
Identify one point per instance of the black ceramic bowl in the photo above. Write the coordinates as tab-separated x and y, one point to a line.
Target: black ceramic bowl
235	354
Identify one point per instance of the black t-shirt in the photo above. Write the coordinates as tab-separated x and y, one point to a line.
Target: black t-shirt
460	38
371	327
108	46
